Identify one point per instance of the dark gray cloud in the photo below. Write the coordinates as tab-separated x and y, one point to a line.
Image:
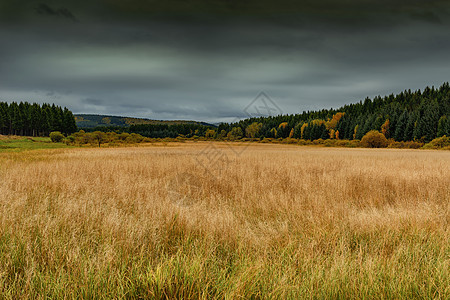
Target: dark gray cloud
44	9
207	60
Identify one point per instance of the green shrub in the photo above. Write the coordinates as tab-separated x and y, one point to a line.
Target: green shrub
289	141
342	143
354	144
70	140
329	143
318	142
123	136
235	133
134	138
304	142
266	140
407	145
442	142
56	137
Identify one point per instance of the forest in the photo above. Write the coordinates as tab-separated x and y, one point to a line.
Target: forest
420	115
27	119
409	116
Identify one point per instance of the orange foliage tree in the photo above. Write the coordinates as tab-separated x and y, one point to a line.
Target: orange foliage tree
302	130
374	139
385	129
331	124
332	133
355	131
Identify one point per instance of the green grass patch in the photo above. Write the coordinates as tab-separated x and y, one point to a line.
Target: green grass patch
28	143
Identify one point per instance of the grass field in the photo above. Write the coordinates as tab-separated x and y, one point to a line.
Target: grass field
197	220
18	144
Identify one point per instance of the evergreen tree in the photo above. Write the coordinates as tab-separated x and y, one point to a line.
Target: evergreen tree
443	127
2	118
69	124
399	134
32	119
409	130
35	112
426	127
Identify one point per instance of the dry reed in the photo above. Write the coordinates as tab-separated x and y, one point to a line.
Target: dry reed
276	221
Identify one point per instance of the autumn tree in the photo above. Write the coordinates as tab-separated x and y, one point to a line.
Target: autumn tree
273	133
302	130
283	130
235	133
99	137
253	130
332	124
355	131
385	129
210	133
332	134
374	139
291	134
222	133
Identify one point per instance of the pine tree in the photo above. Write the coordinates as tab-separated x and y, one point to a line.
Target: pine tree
35	112
409	130
32	119
2	118
69	124
399	134
426	127
15	121
443	127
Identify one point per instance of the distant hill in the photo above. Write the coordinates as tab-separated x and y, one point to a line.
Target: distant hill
408	116
92	121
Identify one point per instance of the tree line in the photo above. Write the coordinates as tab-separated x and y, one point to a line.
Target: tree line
409	116
420	115
187	130
28	119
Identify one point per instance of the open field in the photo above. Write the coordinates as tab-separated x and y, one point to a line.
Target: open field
196	220
20	143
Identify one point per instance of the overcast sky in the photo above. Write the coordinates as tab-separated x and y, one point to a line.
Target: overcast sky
207	60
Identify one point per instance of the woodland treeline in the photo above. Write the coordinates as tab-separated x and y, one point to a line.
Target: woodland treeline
28	119
187	130
409	116
420	115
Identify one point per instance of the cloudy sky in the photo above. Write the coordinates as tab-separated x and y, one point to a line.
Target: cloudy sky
207	60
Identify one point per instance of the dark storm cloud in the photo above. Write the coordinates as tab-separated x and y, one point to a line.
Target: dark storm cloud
44	9
91	101
207	60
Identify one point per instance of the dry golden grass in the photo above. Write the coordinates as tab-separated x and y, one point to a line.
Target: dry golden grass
276	221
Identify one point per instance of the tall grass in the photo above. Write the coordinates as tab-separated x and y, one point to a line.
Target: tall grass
278	221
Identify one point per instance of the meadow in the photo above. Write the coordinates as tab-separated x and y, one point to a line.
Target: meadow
210	220
19	143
